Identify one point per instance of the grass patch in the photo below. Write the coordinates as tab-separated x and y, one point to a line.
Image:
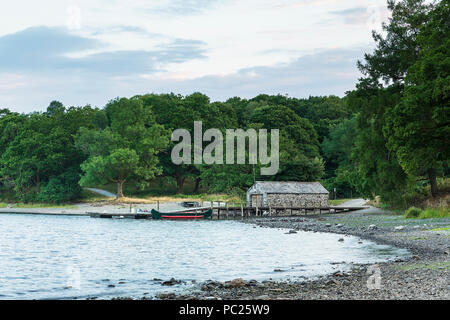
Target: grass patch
337	202
178	198
431	266
412	213
158	187
3	205
209	197
434	213
441	229
429	213
159	190
416	238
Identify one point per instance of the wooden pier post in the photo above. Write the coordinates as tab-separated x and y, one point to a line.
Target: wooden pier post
270	211
242	211
226	206
211	205
157	205
218	210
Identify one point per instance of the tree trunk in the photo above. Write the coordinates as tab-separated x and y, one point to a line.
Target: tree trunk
180	184
120	189
38	182
433	182
197	184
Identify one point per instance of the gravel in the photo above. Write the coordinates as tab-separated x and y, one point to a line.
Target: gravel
425	275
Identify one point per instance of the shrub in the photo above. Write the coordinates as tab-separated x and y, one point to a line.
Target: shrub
434	213
62	188
412	213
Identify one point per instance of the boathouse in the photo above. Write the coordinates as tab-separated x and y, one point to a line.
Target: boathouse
287	194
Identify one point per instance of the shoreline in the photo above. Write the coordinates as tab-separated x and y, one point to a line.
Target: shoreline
425	275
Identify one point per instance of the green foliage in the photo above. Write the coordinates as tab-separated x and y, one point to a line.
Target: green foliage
118	165
337	149
178	112
418	126
413	212
387	138
429	213
402	119
127	149
434	213
62	188
39	146
299	146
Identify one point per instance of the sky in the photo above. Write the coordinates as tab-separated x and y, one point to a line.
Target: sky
91	51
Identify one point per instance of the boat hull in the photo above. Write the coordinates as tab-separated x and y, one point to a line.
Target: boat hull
157	215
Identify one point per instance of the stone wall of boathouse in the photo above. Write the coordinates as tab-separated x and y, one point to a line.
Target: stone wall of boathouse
296	200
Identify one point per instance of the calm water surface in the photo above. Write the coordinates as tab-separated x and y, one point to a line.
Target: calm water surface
60	257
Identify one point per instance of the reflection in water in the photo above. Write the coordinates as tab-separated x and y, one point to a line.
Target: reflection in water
65	257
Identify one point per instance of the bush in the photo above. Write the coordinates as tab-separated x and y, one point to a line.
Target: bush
433	213
416	213
412	213
62	188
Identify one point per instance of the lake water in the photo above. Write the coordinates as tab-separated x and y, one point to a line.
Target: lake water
61	257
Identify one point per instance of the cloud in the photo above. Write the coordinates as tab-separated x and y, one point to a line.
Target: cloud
372	15
124	29
358	15
44	49
185	7
323	73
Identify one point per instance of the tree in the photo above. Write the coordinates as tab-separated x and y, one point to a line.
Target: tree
127	148
10	124
40	146
378	99
299	146
178	112
118	166
418	127
62	188
337	150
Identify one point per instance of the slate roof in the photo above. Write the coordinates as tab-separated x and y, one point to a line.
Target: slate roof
290	187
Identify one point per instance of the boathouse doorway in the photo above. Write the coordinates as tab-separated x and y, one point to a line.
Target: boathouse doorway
257	200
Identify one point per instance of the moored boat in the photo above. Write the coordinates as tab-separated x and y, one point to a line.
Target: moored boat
182	215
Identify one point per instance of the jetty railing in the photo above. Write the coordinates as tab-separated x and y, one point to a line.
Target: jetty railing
243	211
232	210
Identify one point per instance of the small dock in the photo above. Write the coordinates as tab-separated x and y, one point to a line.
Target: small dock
226	211
119	215
243	212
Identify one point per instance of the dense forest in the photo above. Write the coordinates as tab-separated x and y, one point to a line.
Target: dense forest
388	137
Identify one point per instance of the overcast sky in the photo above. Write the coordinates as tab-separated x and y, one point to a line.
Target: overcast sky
88	52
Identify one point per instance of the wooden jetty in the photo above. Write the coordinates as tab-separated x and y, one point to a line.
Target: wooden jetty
240	211
243	212
119	215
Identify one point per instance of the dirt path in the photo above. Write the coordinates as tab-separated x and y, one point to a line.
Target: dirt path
102	192
353	203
